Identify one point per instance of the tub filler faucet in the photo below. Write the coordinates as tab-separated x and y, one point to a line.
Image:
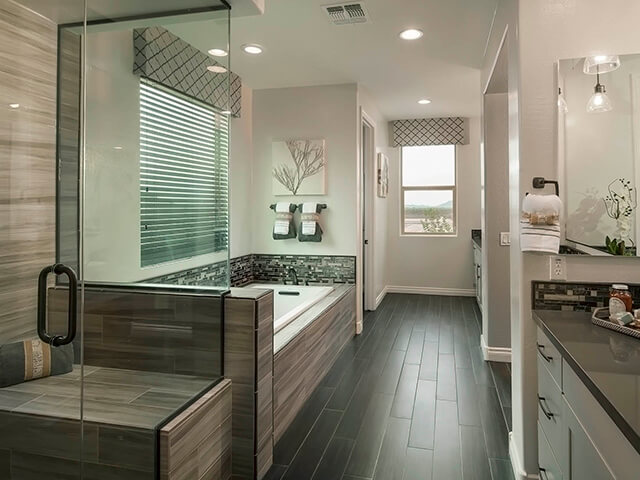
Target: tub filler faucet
294	275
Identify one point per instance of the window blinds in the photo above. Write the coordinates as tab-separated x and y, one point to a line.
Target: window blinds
184	180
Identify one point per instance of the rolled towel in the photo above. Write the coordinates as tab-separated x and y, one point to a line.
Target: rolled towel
540	224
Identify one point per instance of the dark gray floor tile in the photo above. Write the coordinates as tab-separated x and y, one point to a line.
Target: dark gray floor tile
493	423
406	392
5	464
365	452
445	343
481	369
289	443
429	365
308	457
335	459
340	366
475	462
424	411
353	477
419	464
348	384
447	462
392	458
388	381
446	378
416	344
468	410
276	472
354	413
502	378
501	469
404	334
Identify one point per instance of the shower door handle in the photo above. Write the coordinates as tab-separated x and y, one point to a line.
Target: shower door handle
57	340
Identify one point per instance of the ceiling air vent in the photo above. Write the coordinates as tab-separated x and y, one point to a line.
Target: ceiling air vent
346	13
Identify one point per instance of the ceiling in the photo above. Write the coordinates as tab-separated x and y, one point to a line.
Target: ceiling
303	48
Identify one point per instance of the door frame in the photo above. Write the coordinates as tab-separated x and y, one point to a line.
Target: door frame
367	181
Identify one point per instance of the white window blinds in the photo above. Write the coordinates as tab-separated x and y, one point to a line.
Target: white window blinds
184	180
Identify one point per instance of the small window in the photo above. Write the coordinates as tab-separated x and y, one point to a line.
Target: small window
429	190
184	157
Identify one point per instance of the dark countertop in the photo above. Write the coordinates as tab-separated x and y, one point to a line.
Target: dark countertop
476	237
607	362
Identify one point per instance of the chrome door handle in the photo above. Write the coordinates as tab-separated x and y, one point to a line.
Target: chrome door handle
72	319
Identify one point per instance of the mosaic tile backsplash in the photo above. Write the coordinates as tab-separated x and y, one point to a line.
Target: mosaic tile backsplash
579	297
267	268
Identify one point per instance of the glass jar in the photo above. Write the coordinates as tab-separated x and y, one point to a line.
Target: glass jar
620	300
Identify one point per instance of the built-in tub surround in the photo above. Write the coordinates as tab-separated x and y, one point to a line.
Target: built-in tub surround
289	301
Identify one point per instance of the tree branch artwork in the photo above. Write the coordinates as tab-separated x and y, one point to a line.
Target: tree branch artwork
308	160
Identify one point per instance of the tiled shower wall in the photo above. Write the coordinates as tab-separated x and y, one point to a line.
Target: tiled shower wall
268	268
579	297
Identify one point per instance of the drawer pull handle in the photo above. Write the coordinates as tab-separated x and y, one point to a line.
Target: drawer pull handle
540	349
543	473
542	401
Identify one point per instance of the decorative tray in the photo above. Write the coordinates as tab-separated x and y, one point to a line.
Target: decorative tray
600	317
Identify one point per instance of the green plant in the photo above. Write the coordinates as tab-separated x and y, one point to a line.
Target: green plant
616	247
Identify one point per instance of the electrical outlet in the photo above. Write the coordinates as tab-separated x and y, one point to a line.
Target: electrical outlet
557	268
505	239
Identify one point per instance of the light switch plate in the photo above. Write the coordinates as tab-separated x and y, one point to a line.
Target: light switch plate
505	239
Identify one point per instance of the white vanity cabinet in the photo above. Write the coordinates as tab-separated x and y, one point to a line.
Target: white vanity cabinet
477	272
577	439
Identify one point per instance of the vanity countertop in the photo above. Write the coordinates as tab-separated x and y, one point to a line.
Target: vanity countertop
476	237
607	362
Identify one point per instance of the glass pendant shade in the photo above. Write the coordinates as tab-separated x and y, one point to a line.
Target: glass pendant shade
599	101
601	64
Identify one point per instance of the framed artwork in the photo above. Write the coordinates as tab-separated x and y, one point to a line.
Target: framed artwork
383	175
299	167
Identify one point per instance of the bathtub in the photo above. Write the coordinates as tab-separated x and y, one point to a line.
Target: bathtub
289	301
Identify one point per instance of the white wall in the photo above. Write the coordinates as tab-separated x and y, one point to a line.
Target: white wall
241	178
540	33
328	112
112	177
430	263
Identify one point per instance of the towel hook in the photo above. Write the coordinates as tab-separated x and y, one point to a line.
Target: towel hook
540	182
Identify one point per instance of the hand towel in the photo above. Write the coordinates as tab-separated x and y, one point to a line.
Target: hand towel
540	224
283	226
310	230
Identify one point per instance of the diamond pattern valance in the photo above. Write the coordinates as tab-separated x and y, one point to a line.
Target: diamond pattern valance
161	56
429	131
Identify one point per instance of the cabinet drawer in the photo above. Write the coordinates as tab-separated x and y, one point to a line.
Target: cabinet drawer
547	464
549	407
550	357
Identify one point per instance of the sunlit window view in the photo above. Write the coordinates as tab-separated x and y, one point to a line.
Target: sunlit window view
429	190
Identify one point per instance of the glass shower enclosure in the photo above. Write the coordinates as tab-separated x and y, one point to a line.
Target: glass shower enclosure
114	149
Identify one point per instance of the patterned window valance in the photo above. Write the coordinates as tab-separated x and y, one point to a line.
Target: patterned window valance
429	131
161	56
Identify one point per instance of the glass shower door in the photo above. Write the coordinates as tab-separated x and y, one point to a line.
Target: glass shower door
40	302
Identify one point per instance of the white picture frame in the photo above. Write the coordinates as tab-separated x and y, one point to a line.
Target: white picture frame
383	175
299	167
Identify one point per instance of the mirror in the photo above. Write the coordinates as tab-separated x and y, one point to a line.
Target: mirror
599	153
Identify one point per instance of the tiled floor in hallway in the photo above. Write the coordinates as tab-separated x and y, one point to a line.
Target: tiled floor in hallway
410	398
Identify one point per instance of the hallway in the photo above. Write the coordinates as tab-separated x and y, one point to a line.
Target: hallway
387	407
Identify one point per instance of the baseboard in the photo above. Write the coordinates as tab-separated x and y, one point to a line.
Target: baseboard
381	296
519	472
495	354
449	292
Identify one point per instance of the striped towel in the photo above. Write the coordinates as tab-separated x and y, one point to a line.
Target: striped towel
540	224
283	218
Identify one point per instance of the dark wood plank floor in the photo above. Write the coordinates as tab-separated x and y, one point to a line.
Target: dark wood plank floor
411	398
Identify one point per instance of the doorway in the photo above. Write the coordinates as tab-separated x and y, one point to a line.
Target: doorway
367	190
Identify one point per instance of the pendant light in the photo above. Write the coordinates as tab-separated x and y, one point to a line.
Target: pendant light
562	103
601	64
599	101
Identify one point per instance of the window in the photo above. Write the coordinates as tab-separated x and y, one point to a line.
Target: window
184	157
429	190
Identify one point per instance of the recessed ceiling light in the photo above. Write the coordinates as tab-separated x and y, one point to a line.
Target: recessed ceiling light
411	34
217	69
118	147
252	48
424	101
218	52
14	105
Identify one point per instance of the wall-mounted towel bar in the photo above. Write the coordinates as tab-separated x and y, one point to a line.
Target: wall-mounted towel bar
541	182
322	206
